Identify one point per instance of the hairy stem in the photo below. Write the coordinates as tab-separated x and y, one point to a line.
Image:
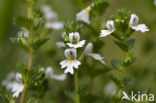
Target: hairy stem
31	53
77	96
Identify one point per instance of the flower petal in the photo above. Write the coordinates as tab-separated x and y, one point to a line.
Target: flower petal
105	33
97	57
64	63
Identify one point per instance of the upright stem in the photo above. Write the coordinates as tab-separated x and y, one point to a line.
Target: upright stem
30	62
23	94
31	53
77	96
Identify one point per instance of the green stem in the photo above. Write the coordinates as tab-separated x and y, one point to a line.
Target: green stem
77	96
30	61
23	94
29	11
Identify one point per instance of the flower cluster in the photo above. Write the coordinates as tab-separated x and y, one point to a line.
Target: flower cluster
71	54
14	83
133	23
51	18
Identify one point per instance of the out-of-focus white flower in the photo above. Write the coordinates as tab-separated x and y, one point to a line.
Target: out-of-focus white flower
49	13
60	44
63	34
51	18
75	40
18	86
110	89
133	23
23	32
54	25
155	2
84	15
14	83
88	51
70	63
9	80
111	28
49	74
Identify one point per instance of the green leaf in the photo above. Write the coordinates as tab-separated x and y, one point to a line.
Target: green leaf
125	46
70	94
38	42
98	7
117	64
83	87
25	22
72	26
129	59
21	42
3	99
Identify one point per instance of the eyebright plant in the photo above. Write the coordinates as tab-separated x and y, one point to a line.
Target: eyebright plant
82	44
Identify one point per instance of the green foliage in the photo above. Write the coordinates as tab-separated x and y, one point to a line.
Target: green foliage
72	26
34	79
117	64
38	42
83	87
70	94
121	21
98	8
29	2
4	99
21	41
28	23
129	59
25	22
125	45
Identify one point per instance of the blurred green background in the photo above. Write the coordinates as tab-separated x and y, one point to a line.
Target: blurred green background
143	70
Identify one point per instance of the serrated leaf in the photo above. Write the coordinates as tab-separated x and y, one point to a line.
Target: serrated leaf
72	26
83	87
24	22
125	46
99	7
21	41
129	59
70	94
117	64
38	42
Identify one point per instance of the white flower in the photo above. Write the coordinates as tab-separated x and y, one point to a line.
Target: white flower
110	89
75	40
88	51
60	44
14	83
133	23
54	25
84	15
70	63
18	86
49	74
51	18
23	32
9	80
49	13
111	28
